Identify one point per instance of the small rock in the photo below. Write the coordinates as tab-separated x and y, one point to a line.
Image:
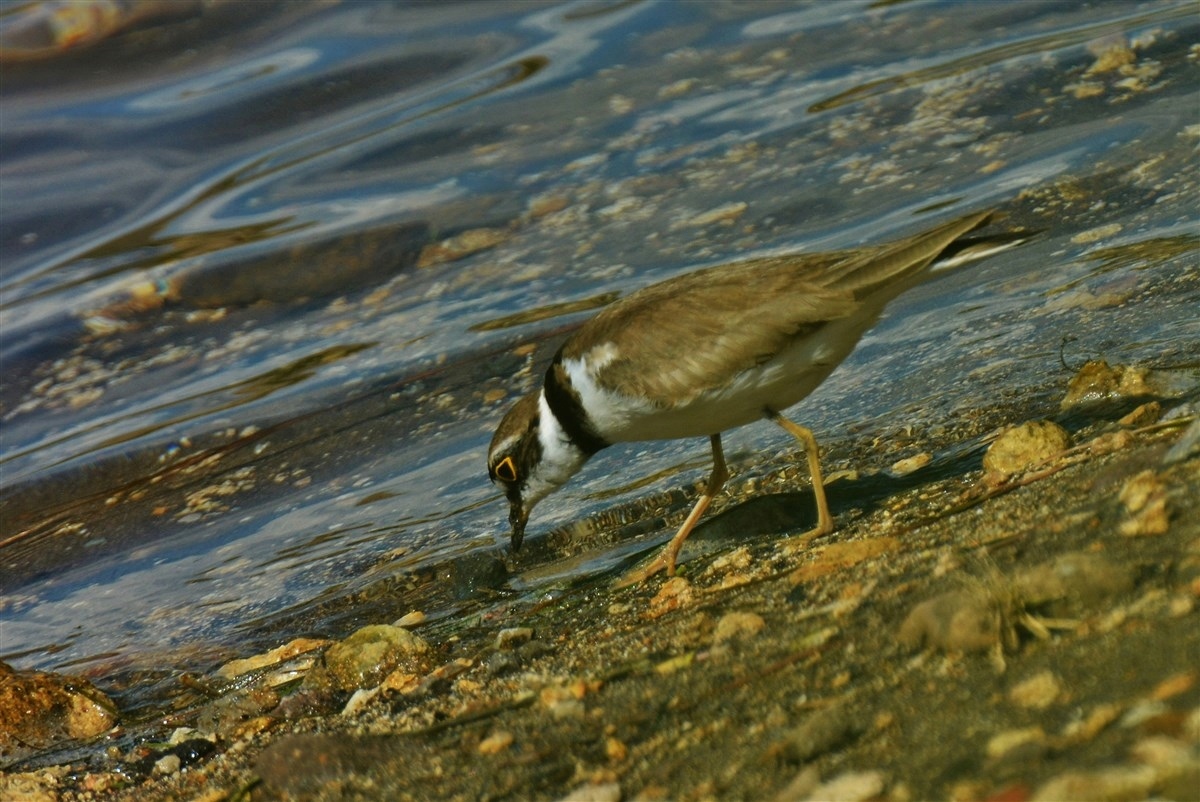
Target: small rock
359	701
823	731
1174	685
1186	447
725	213
39	709
513	637
462	245
167	764
28	787
905	466
1116	784
1038	692
565	708
1021	447
401	681
1093	724
500	663
825	560
543	205
615	749
1097	234
738	559
1145	498
676	592
1160	750
603	792
1097	381
496	742
1143	415
1191	727
416	617
853	786
370	654
1074	583
737	625
280	654
1143	711
1030	741
958	621
800	787
534	649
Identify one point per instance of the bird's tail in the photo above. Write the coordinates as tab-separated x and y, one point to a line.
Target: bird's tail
940	248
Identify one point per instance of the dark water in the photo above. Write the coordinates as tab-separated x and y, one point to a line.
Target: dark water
272	272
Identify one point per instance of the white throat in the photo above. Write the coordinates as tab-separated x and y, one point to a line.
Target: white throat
561	458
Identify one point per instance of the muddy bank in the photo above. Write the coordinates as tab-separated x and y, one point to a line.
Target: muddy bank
1024	633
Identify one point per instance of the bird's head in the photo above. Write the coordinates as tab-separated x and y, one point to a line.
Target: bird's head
530	457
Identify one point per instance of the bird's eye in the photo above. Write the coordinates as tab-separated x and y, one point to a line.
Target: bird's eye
506	470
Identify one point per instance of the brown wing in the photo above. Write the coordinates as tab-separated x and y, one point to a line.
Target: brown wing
704	328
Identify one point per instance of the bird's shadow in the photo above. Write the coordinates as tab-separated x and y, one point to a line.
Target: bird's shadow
629	536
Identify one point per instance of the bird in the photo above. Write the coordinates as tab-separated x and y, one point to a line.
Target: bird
711	350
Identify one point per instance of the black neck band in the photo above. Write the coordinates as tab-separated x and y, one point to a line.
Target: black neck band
564	402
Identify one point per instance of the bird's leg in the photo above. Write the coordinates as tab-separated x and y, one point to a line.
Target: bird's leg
666	558
805	436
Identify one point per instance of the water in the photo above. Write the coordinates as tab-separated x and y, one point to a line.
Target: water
247	396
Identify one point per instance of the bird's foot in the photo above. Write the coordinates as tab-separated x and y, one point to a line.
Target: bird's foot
665	561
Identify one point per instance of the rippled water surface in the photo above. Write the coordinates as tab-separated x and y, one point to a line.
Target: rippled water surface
271	273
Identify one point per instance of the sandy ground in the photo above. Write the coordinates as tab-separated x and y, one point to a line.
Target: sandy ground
970	636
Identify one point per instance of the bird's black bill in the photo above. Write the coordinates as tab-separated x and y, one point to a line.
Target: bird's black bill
517	519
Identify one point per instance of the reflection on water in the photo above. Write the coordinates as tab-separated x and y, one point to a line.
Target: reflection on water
269	273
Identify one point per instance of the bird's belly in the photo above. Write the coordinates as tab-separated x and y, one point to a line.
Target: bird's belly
775	384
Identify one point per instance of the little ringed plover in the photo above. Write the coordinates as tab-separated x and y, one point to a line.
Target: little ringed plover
708	351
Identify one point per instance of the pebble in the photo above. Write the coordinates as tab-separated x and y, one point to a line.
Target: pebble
39	709
1174	685
737	626
1114	784
1145	499
28	787
280	654
825	560
1186	447
1191	727
167	764
513	637
1038	692
1098	381
615	749
676	592
1074	583
416	617
1161	750
726	213
1143	415
496	742
800	787
1027	742
957	621
1096	234
903	467
370	654
462	245
602	792
1021	447
853	786
1087	728
823	731
499	663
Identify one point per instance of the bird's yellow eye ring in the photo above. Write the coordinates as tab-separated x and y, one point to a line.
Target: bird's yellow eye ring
506	470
